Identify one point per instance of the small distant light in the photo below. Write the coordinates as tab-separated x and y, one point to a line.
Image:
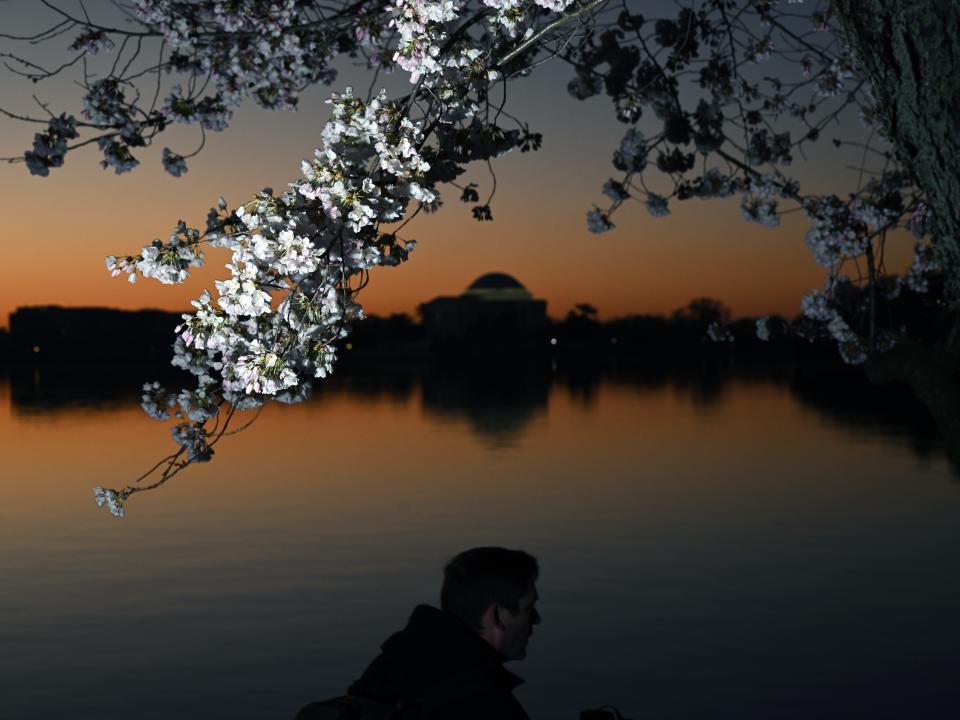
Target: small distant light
36	348
613	341
553	341
349	346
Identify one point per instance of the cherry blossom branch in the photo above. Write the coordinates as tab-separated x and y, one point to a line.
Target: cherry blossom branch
550	27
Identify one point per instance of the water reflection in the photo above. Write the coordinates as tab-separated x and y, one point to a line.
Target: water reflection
55	388
718	552
868	411
498	403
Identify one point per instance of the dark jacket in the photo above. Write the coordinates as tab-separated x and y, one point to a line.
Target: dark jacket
441	667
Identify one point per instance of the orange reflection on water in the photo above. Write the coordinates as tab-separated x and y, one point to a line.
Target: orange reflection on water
634	455
666	492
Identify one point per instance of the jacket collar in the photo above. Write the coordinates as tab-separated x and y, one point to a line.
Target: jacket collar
442	634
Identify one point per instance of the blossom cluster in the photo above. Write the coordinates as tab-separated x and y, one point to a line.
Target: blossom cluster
718	333
50	147
277	317
631	156
112	500
425	29
92	41
760	198
598	221
105	104
510	15
192	437
266	50
816	306
835	234
174	163
116	155
166	263
763	328
421	26
924	265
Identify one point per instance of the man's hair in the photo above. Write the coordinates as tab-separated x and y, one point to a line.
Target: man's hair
484	576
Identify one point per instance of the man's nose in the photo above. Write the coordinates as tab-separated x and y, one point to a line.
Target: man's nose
536	617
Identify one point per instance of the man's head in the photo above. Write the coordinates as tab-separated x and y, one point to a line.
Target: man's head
494	591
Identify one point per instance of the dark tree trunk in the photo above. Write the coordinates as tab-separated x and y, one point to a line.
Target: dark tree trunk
910	52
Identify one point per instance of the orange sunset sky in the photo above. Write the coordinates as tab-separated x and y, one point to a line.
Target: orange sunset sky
57	230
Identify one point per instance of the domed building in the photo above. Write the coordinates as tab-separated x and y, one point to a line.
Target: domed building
495	304
498	286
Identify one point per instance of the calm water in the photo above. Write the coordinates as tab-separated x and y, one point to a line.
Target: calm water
729	551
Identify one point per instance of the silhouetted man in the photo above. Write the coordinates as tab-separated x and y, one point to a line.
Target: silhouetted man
447	664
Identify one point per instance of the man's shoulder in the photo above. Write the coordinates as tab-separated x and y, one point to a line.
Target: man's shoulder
471	699
440	666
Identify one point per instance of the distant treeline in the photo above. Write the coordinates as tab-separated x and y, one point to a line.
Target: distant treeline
680	339
55	335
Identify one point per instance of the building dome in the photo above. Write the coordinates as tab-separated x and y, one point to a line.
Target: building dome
497	286
494	302
496	281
